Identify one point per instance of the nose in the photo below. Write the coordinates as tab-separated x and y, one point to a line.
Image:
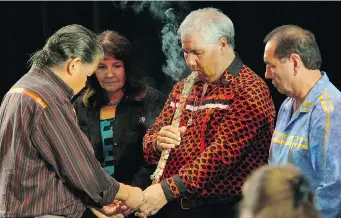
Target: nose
109	72
191	60
268	73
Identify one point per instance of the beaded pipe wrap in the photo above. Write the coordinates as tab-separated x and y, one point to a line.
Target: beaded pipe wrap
175	122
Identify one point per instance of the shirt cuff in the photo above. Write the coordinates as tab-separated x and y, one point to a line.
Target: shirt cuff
173	187
108	196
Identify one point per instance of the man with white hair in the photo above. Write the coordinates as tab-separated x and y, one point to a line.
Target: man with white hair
225	126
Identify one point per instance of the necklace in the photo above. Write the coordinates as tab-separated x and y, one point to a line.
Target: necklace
115	102
197	104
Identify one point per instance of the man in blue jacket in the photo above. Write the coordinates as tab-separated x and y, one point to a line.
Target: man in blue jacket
308	128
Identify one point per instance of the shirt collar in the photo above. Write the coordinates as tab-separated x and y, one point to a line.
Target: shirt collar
312	96
315	92
232	70
66	89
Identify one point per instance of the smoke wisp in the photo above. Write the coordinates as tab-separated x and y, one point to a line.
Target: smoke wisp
175	65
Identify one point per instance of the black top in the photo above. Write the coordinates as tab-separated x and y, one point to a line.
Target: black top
132	119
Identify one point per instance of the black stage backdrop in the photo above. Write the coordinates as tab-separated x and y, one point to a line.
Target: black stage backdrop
25	26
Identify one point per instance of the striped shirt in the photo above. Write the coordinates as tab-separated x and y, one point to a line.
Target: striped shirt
47	164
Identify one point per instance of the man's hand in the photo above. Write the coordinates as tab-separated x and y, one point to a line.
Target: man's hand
168	137
155	200
130	196
101	215
115	210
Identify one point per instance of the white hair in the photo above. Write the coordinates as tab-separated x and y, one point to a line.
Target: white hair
210	23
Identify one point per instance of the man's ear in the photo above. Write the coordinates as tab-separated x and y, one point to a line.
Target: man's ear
223	45
296	60
73	66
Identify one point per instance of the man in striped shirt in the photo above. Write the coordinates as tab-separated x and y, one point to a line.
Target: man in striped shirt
307	131
47	165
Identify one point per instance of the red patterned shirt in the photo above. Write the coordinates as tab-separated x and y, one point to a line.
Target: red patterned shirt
229	137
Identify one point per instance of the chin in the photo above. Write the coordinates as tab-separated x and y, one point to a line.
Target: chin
284	93
76	91
280	90
204	78
111	89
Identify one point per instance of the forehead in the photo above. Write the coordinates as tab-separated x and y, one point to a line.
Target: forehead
269	50
110	58
193	42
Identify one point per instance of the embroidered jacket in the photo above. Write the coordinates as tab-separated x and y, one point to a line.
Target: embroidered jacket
229	136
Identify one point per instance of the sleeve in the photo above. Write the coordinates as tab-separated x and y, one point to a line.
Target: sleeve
230	145
60	141
324	144
153	105
151	153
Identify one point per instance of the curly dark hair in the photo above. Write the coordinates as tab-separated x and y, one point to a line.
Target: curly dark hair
118	46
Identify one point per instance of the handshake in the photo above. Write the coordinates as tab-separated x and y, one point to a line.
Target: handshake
129	199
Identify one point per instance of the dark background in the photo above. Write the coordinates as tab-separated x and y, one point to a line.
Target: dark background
25	26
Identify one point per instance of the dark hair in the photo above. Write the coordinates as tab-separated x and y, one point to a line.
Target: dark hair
278	192
72	41
292	39
116	45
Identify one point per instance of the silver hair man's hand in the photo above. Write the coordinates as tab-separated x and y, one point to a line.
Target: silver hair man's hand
168	137
135	198
155	199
